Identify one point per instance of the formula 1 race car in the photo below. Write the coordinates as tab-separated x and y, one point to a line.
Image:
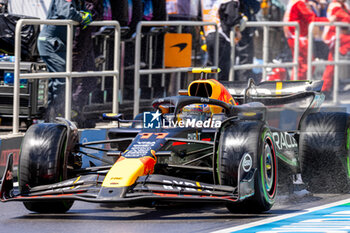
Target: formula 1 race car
216	142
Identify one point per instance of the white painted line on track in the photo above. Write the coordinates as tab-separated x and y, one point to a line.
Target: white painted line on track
281	217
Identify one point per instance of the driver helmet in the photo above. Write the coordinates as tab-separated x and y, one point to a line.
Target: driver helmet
198	112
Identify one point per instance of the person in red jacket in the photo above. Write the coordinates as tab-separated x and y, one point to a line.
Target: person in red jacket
299	11
337	11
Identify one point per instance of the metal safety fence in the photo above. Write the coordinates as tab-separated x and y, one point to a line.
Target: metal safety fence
266	26
139	71
68	74
336	62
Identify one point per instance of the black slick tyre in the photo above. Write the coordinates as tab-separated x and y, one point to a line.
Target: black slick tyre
255	139
324	152
41	163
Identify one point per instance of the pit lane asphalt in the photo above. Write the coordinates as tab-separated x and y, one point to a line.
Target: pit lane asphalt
87	217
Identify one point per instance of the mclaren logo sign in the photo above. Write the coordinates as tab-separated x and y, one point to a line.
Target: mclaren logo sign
181	46
177	49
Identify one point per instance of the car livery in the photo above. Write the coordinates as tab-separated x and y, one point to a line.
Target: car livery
236	162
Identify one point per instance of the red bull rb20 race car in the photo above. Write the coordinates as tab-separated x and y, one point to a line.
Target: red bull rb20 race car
216	142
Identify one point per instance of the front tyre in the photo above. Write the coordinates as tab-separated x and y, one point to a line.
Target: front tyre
266	181
41	162
255	139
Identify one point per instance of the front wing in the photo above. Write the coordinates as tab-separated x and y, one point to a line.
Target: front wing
153	187
147	189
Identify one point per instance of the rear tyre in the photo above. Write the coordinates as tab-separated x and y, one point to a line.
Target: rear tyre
41	162
257	141
324	152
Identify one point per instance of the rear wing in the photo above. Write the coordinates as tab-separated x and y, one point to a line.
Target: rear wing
272	88
276	92
269	92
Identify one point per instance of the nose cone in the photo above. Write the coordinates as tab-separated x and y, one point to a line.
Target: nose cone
123	173
126	170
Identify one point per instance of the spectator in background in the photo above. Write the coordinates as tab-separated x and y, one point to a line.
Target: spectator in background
107	10
52	49
339	11
320	49
323	8
3	6
319	7
245	47
273	10
182	9
315	6
226	14
84	60
119	11
299	11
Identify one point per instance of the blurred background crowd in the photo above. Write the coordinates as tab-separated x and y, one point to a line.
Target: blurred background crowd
90	44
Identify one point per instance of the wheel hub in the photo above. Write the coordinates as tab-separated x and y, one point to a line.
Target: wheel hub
268	168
